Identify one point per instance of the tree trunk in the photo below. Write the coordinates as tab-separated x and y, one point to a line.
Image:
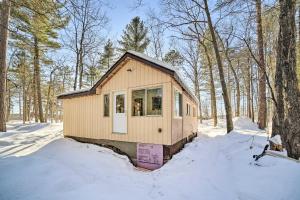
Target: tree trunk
76	71
24	103
237	83
221	72
35	101
252	91
197	93
5	13
8	104
262	109
287	82
20	104
213	101
48	102
81	70
38	79
248	88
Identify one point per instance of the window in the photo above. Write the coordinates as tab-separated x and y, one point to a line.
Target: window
194	112
154	101
120	103
188	109
138	102
149	100
106	105
177	104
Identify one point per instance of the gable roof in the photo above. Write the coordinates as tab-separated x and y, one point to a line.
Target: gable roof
160	65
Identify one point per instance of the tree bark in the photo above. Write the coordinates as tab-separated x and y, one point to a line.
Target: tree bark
5	13
38	79
213	101
76	71
262	109
288	95
81	70
229	122
197	93
248	88
237	83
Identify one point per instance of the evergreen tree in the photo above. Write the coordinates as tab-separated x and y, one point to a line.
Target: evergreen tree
38	23
174	58
107	56
135	36
5	14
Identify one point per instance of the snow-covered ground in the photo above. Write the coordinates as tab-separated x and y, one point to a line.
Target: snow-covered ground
37	163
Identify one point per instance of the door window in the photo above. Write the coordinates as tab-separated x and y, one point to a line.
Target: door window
120	103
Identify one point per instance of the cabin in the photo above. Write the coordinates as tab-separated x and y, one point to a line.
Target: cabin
140	107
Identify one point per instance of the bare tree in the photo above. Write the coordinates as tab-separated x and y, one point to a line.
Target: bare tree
87	21
227	51
228	110
156	32
213	100
192	58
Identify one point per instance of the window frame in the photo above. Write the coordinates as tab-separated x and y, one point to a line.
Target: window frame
108	95
146	102
194	111
188	109
174	104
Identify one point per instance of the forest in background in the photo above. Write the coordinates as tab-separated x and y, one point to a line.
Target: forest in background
238	56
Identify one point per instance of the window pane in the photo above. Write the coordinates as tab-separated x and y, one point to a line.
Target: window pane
138	101
187	109
177	104
106	105
154	101
180	104
120	103
194	112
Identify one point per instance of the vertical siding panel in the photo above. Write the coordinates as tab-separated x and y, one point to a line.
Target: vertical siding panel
83	116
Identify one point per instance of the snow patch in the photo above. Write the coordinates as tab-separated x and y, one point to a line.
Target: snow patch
276	139
244	123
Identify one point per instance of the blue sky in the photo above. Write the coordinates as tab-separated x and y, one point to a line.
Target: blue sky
122	12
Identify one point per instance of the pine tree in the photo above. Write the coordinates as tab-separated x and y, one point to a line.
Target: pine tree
38	25
135	36
5	14
174	58
107	56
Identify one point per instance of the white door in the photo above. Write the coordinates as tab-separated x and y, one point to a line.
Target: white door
119	113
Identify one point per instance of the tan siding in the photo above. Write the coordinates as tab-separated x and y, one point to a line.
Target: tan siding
83	116
183	127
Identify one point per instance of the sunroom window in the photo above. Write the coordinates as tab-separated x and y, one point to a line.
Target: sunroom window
138	102
154	101
147	102
177	104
